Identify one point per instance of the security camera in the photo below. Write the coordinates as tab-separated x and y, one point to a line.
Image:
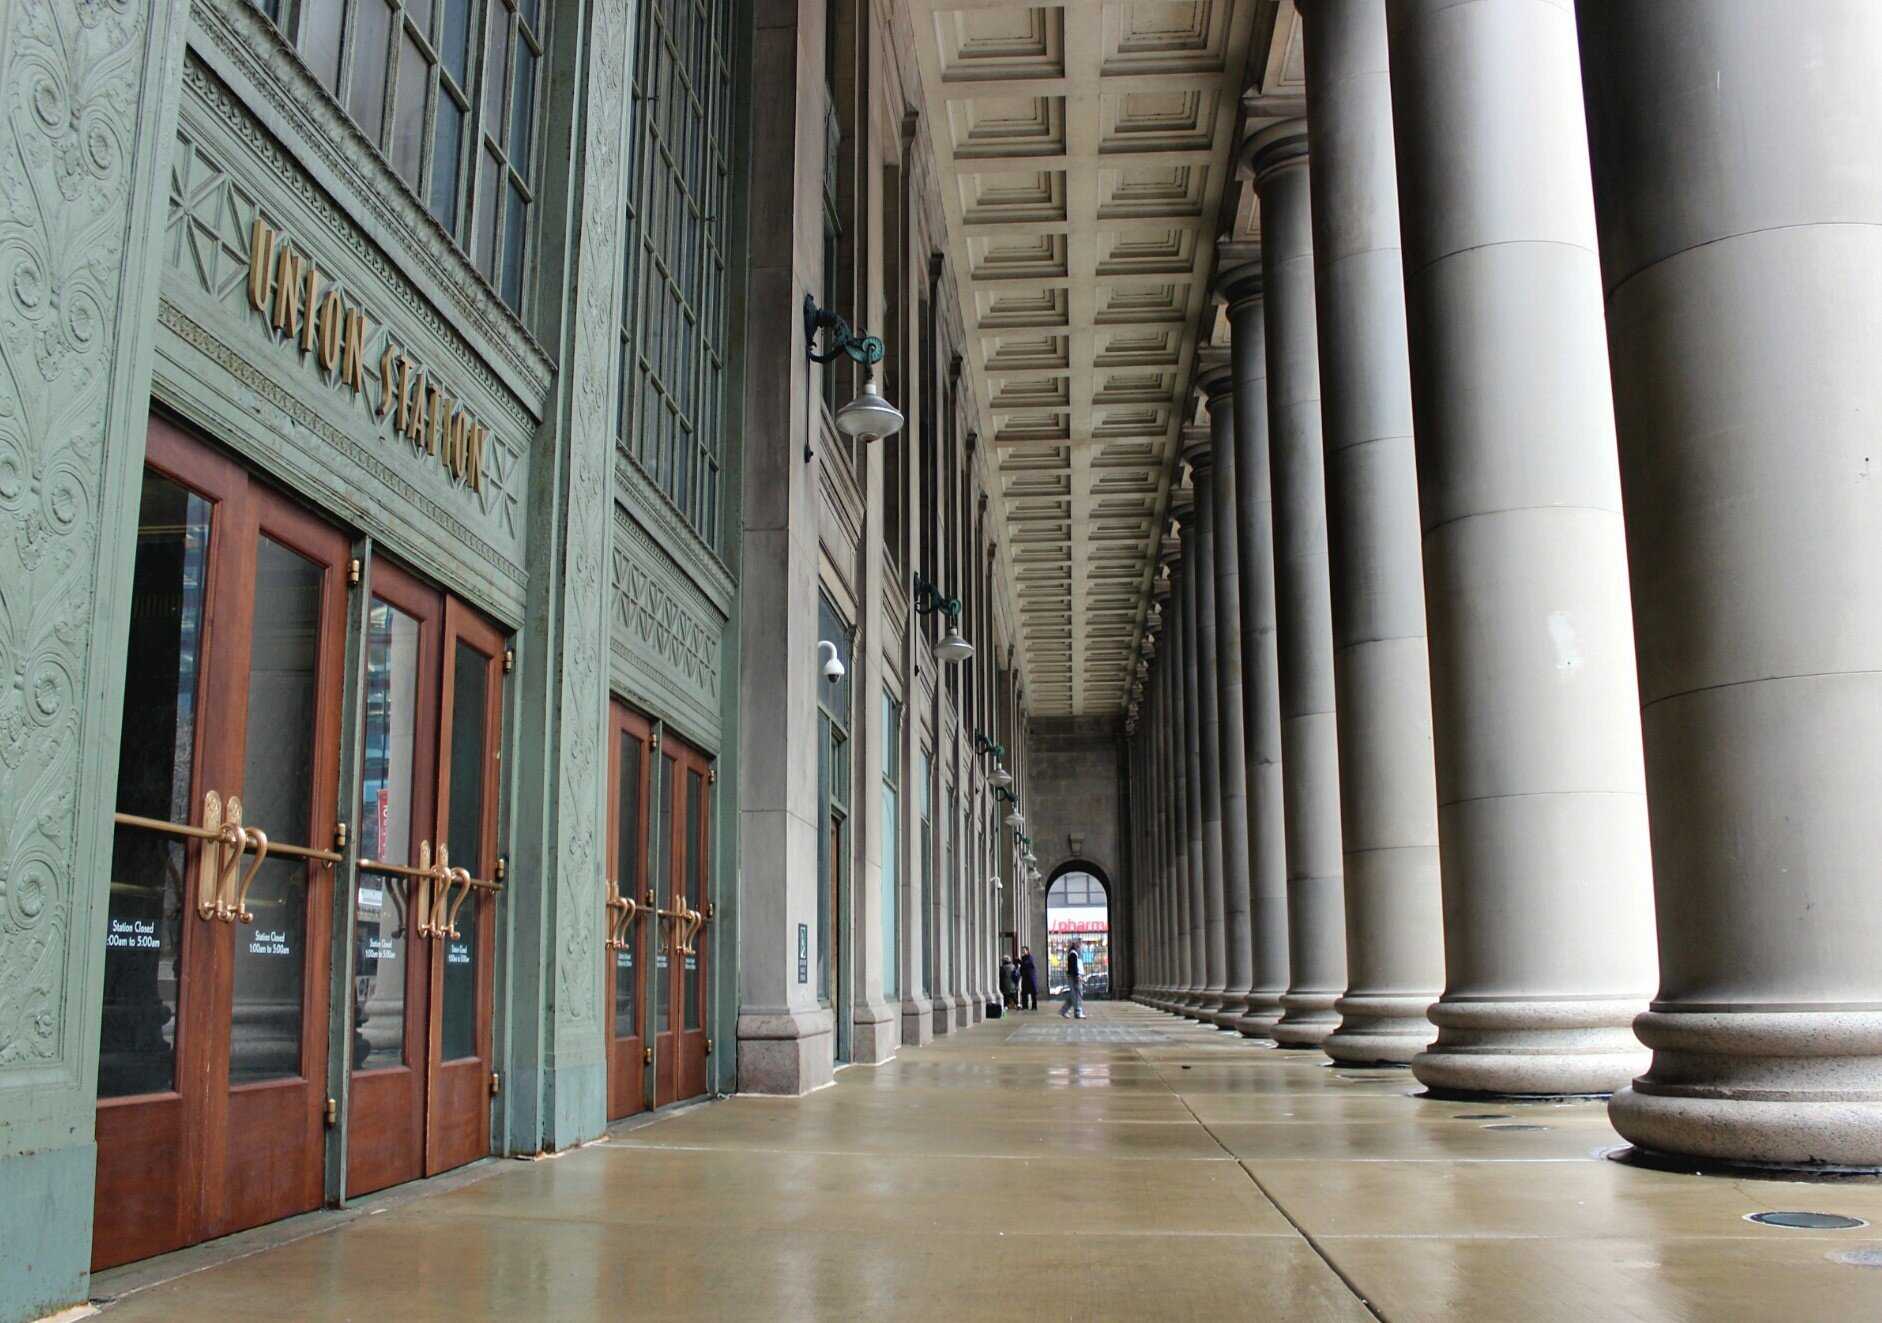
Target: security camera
832	664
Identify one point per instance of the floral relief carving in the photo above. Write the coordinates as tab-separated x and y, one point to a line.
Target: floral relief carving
591	446
68	100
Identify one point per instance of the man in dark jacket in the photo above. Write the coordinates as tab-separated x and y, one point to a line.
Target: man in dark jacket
1028	980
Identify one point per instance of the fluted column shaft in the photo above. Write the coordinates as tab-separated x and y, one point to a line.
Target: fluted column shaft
1381	670
1542	816
1241	288
1218	385
1199	544
1741	245
1310	758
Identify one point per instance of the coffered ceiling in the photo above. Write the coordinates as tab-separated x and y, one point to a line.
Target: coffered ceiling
1085	150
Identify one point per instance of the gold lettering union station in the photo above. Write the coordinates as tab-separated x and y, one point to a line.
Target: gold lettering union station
287	288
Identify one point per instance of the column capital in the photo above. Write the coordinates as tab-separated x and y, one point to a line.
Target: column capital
1238	274
1199	454
1276	146
1215	377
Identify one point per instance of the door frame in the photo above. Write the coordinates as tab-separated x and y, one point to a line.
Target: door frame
629	1087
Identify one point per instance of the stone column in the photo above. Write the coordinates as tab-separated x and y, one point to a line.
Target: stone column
1310	760
1743	265
1542	814
1218	386
1199	538
1381	672
1188	844
1240	286
1197	993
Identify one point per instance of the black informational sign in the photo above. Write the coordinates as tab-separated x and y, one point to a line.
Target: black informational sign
803	953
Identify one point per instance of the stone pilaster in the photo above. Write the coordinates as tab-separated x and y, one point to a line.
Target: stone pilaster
785	1039
1542	813
1743	266
89	96
1381	672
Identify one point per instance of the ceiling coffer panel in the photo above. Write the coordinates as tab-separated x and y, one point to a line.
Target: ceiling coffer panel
1085	149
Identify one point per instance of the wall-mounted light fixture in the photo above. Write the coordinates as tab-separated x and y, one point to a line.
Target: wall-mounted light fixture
1016	819
1000	776
984	746
868	415
952	649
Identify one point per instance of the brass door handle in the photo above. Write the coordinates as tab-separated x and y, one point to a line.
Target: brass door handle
434	914
622	911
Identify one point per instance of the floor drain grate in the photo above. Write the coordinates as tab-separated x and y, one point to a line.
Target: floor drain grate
1808	1221
1481	1116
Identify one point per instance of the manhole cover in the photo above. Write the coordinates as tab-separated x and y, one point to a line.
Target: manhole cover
1808	1221
1862	1258
1516	1127
1481	1116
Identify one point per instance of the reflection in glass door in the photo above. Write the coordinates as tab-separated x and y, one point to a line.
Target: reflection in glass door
212	1047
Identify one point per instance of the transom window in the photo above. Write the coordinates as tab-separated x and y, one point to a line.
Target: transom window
673	315
447	90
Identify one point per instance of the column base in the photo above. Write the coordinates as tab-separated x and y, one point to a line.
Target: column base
917	1021
785	1052
1781	1090
1261	1014
1380	1029
875	1033
963	1010
943	1015
1531	1048
1307	1019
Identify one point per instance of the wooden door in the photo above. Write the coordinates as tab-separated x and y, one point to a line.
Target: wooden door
390	1043
680	1041
694	814
460	1084
630	904
212	1052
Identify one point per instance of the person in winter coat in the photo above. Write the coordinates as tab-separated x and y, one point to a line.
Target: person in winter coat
1074	982
1028	980
1009	982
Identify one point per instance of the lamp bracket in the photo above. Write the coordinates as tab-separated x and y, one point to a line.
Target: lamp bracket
844	340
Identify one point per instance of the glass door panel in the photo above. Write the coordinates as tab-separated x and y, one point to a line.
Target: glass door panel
469	753
148	896
382	902
278	789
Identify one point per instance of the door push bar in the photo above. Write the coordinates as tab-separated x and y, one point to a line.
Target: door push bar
221	885
686	925
434	912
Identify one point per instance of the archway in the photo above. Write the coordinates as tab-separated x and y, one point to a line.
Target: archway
1078	906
